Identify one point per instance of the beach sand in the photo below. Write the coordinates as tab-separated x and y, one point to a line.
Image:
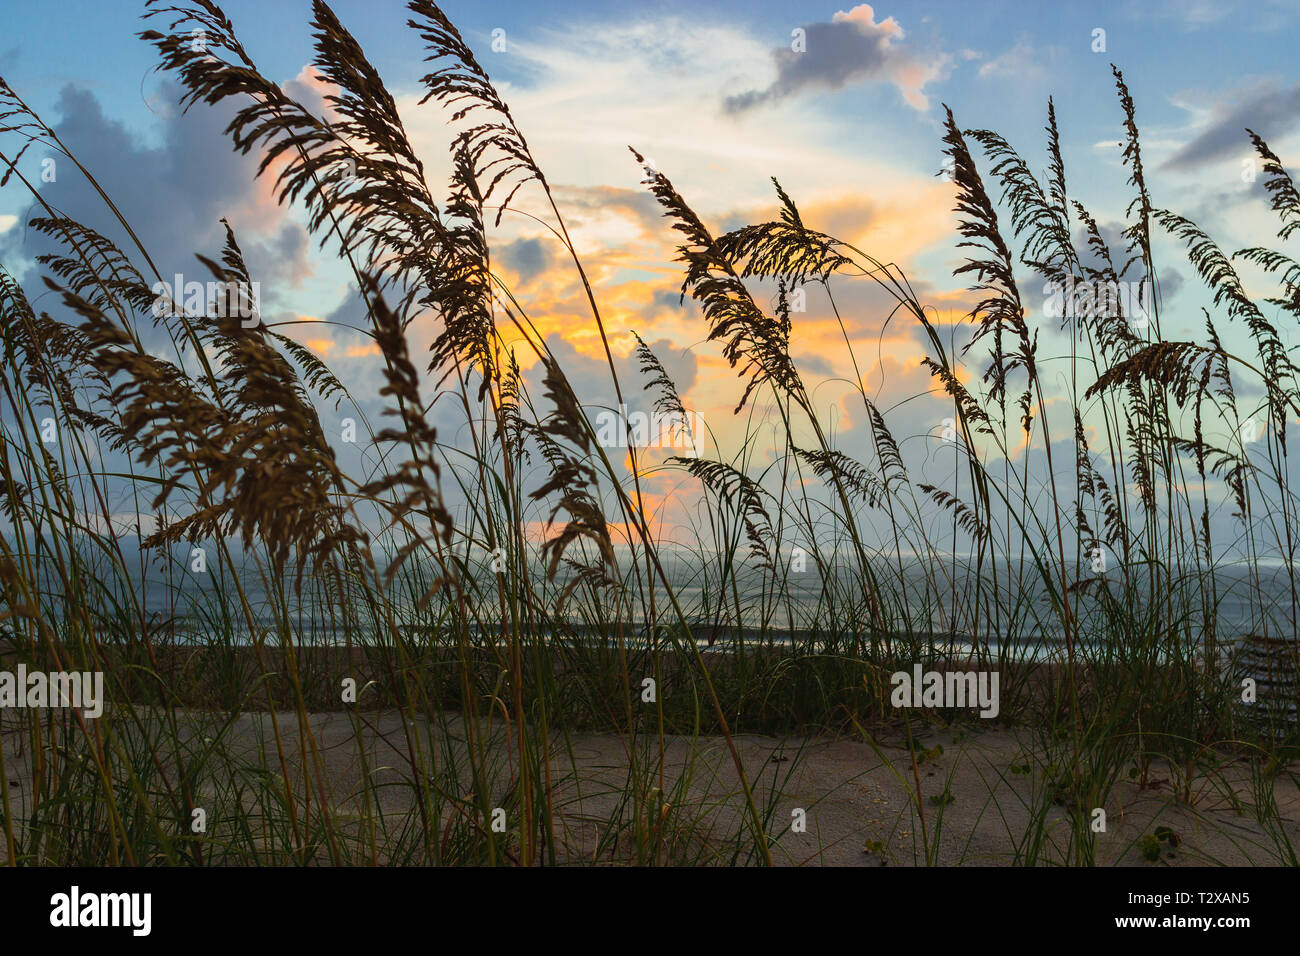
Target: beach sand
855	806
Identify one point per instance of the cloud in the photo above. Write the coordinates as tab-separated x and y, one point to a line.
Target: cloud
1269	109
1191	13
1171	280
639	205
1020	62
527	258
671	298
583	92
283	260
1255	15
173	194
589	374
852	47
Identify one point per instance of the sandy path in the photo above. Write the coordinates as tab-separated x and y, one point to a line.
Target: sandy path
850	799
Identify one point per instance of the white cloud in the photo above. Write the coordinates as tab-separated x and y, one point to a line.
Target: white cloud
640	84
1255	15
1020	62
852	47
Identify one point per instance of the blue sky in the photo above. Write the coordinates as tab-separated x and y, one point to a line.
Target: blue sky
1166	48
1188	64
718	97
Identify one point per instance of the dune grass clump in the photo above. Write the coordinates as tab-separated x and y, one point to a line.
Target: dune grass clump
477	648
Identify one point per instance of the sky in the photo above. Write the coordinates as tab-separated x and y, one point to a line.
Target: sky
843	104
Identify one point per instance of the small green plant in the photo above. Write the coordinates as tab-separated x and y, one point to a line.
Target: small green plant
1166	835
1153	844
1150	848
931	754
